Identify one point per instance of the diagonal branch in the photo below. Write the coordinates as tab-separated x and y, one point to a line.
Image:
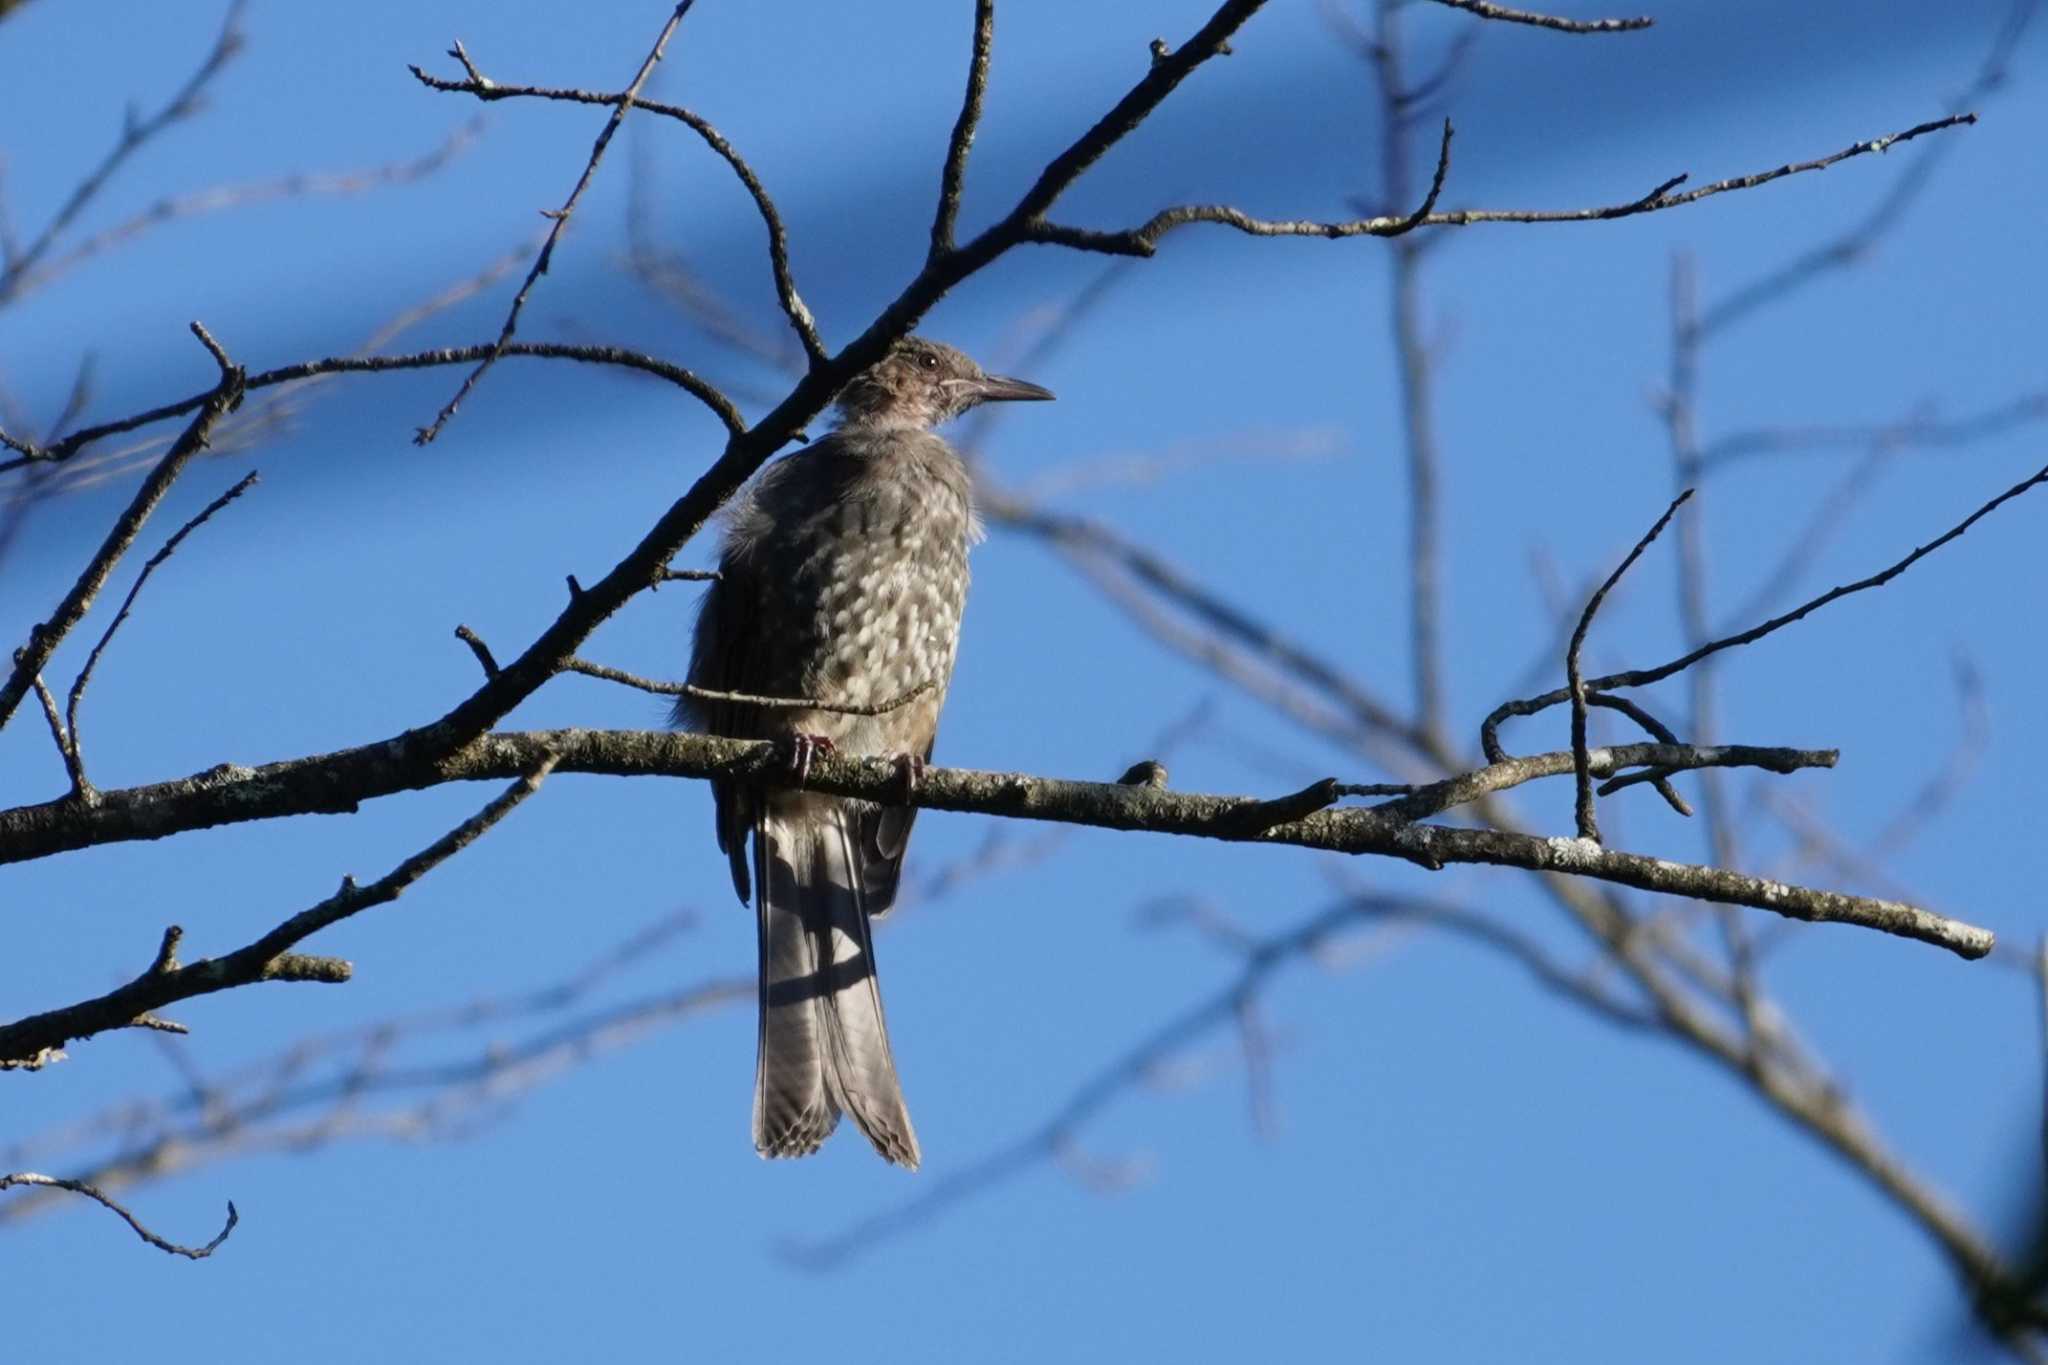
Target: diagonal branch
1262	958
149	567
221	198
1777	285
644	565
28	1043
1589	825
17	266
44	638
1529	706
952	178
793	306
560	216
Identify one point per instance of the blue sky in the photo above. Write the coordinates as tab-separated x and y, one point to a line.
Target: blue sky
1463	1167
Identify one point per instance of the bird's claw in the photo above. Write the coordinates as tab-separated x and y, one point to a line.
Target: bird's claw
804	748
910	769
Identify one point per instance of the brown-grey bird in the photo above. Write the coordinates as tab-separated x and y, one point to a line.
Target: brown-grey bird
842	578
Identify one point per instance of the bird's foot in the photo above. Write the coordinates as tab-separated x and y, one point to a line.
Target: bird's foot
804	748
910	770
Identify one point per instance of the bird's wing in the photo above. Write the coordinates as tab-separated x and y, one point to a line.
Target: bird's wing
722	658
882	836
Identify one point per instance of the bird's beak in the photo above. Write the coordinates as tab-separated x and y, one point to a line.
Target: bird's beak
995	388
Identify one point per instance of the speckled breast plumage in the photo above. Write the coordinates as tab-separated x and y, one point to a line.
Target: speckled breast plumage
845	576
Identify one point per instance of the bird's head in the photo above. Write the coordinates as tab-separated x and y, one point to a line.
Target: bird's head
920	384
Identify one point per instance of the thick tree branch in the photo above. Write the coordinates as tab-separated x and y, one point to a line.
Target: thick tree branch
341	781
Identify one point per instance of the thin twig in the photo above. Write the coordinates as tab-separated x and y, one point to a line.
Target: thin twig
135	132
75	401
1918	430
198	1253
45	637
73	768
1486	10
671	689
952	178
1529	706
1143	240
1777	285
687	380
218	198
268	958
1306	942
1589	825
793	306
560	218
478	648
170	547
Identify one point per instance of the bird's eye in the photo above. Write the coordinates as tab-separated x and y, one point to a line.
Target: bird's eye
928	360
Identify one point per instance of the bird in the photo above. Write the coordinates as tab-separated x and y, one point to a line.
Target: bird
841	579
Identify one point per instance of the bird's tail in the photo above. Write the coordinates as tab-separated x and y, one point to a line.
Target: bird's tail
824	1045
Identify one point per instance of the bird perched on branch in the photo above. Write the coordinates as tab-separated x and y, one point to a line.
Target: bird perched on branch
841	583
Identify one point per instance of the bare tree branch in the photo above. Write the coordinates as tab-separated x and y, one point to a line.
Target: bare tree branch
673	689
696	386
27	1043
1262	959
793	306
136	131
1589	826
560	217
1915	430
218	198
1515	16
340	781
952	178
1529	706
1143	240
199	1253
149	567
43	639
1844	250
